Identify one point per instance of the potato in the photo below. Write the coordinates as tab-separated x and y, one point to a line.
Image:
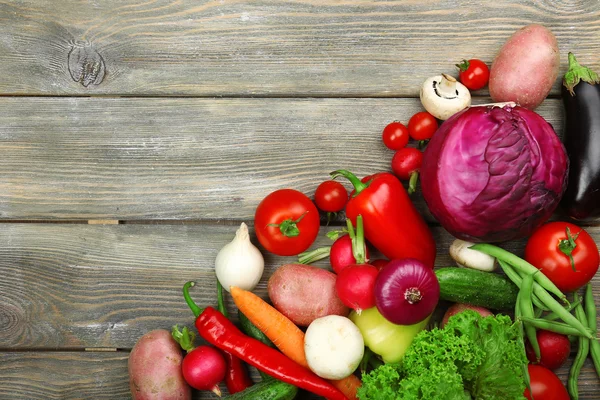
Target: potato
304	293
155	368
526	67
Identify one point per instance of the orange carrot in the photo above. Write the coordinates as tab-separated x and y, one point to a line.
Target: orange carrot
280	329
283	333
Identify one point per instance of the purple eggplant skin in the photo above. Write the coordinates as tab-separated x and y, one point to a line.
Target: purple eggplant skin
581	99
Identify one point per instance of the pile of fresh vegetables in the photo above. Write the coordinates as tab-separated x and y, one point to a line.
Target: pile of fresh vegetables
366	328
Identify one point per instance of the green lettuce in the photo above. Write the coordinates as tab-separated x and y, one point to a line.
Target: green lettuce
470	358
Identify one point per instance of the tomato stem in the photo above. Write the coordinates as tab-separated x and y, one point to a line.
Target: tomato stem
566	246
463	66
289	227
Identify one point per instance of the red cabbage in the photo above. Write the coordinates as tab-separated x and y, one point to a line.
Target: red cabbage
494	173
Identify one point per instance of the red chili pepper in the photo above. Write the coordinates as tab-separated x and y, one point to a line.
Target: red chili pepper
223	334
392	223
236	377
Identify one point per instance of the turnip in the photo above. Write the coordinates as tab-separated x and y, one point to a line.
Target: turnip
333	346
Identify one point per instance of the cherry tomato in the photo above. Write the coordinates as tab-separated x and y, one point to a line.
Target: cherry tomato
548	250
422	126
554	349
474	73
286	222
331	196
545	385
395	136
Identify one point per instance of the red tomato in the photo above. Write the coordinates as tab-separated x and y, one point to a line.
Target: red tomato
474	74
406	161
422	126
286	222
331	196
395	136
545	385
547	247
554	349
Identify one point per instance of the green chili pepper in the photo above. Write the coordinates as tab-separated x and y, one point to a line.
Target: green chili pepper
582	353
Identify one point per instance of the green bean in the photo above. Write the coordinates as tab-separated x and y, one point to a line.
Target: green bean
518	281
521	335
553	316
555	306
553	326
520	265
527	311
592	319
582	353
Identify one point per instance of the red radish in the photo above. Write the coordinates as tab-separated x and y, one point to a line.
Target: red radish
355	286
457	308
342	253
203	367
406	291
554	349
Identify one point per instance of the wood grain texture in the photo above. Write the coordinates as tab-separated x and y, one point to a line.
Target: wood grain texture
210	159
267	48
85	286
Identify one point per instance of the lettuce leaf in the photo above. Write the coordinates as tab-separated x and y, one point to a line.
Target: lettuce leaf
470	358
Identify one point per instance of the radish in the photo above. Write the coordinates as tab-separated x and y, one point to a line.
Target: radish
203	367
341	254
458	307
355	286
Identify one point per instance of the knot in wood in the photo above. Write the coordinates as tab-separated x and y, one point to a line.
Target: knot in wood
86	65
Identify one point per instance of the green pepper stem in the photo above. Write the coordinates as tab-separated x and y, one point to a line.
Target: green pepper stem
577	73
220	300
358	185
309	257
412	182
188	299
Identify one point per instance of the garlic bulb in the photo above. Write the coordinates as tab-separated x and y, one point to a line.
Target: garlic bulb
239	263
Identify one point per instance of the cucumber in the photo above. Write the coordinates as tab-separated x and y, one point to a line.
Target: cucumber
267	389
478	288
251	330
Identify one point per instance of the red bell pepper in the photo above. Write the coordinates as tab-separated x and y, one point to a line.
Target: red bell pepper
217	330
392	223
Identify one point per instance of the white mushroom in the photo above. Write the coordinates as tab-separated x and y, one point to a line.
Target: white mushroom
466	257
442	96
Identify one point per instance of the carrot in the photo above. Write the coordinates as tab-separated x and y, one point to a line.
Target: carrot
288	338
280	329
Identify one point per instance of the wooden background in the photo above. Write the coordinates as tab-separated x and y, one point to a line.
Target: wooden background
174	119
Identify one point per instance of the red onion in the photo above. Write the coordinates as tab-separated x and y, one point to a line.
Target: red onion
355	286
406	291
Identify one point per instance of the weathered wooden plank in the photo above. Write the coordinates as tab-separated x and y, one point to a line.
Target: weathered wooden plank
86	286
125	159
272	48
84	375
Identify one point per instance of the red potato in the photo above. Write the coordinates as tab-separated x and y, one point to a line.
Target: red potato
304	293
526	67
155	368
457	308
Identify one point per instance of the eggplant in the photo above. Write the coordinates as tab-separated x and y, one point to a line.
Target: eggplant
581	98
